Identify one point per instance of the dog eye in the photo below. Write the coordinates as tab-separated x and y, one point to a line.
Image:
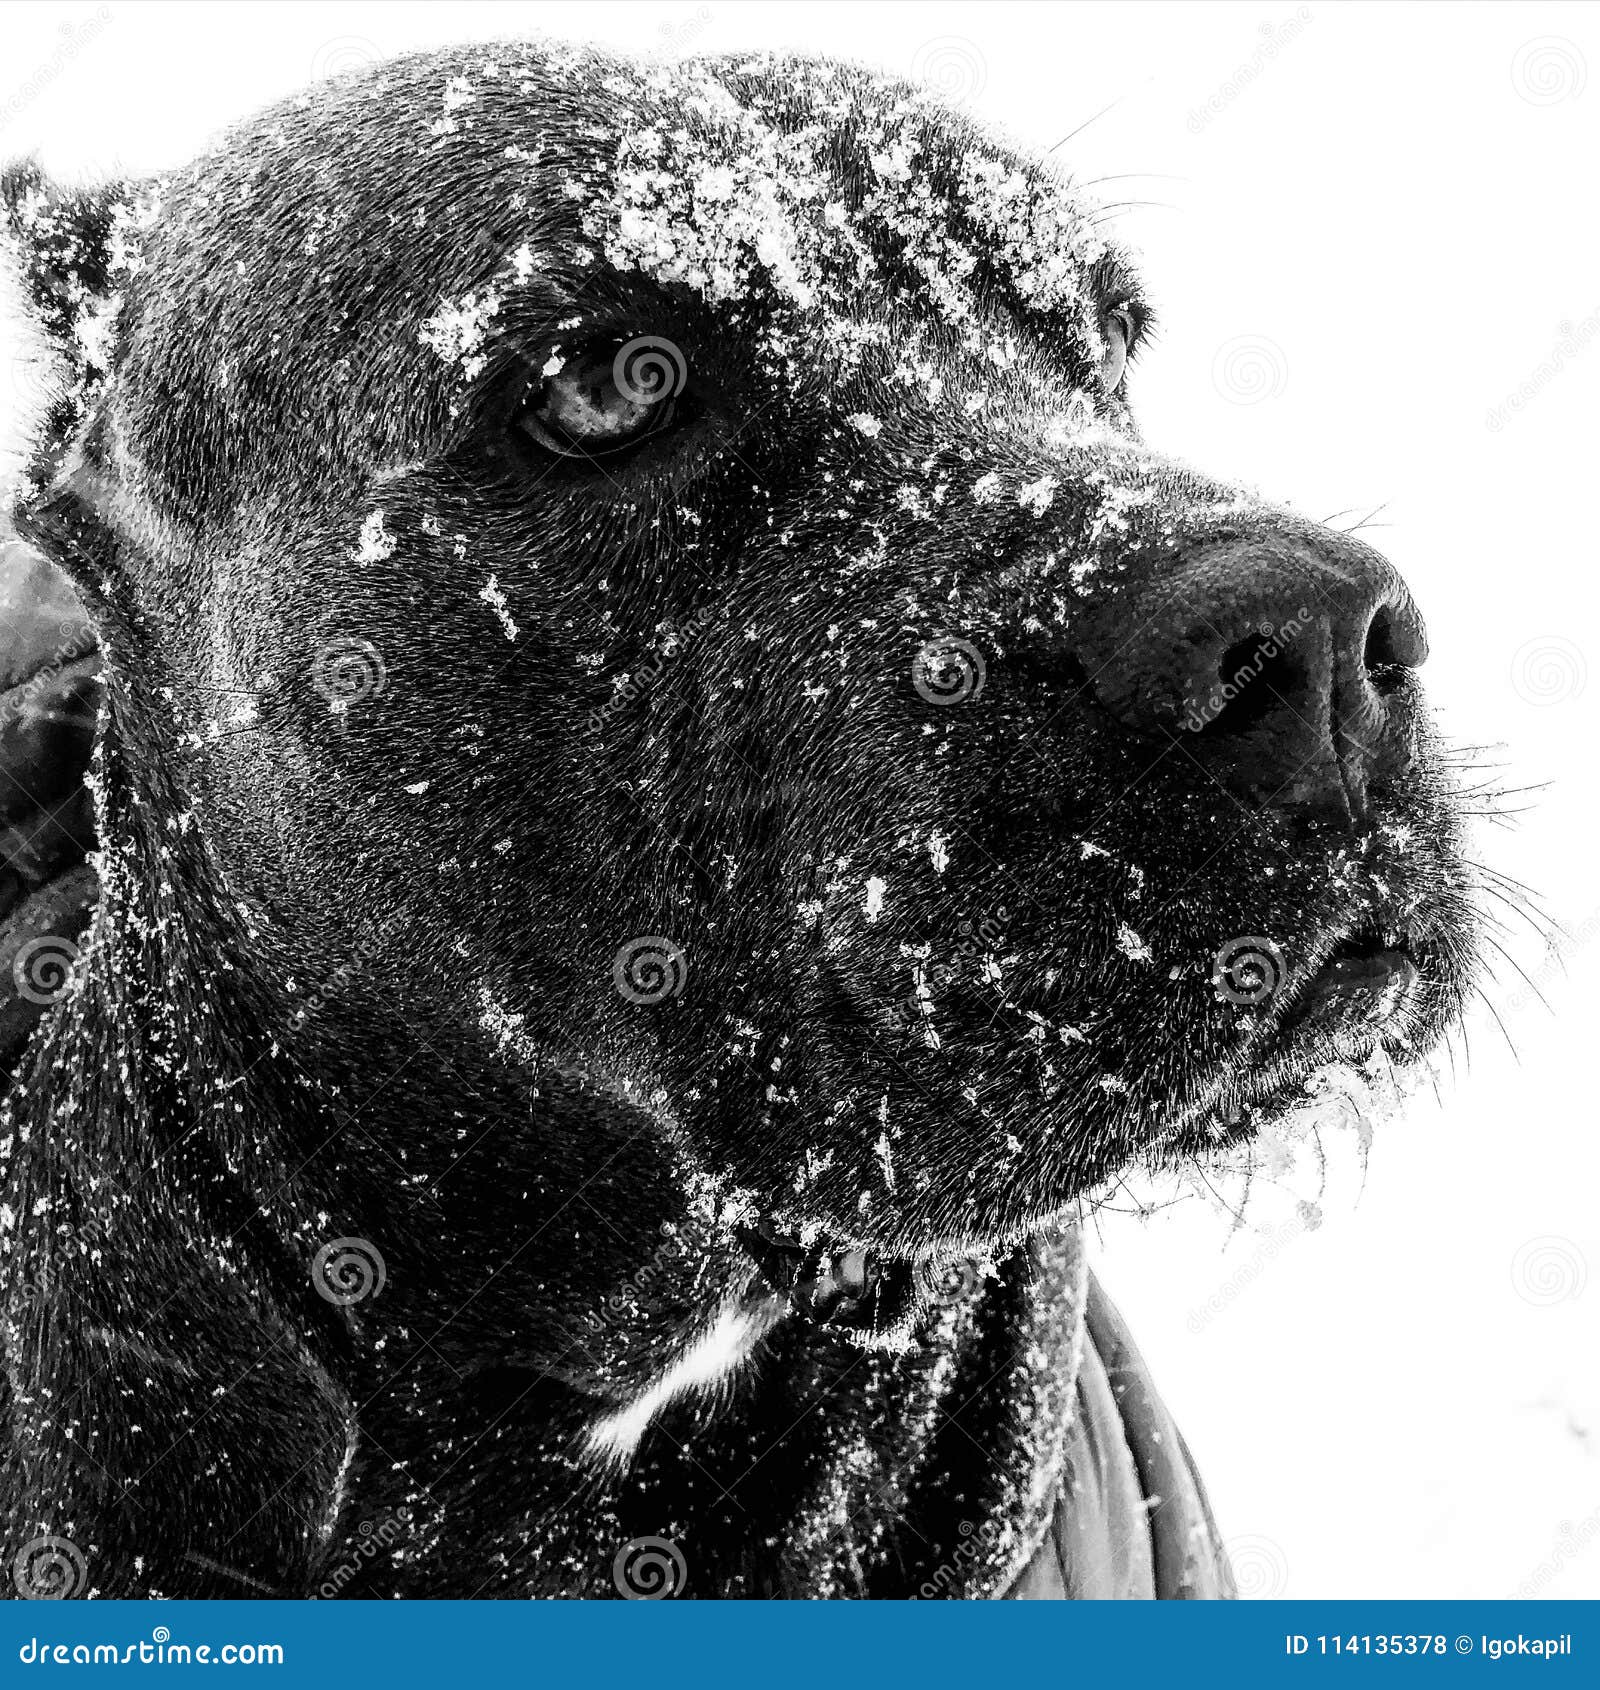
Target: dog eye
1119	337
603	399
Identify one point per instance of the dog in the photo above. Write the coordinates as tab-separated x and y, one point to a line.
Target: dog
678	791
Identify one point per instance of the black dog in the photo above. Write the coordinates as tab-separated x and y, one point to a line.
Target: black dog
677	789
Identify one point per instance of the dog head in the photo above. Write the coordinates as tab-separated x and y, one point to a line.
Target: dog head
667	553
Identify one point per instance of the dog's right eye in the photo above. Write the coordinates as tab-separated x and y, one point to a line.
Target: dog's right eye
602	400
1119	339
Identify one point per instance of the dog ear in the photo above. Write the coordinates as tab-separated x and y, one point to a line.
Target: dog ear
65	251
60	250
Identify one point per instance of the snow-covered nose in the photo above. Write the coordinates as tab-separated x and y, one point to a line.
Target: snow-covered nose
1281	663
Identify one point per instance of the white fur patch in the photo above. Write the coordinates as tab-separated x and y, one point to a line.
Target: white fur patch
711	1359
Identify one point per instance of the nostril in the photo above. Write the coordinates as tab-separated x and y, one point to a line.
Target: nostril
1385	664
1252	681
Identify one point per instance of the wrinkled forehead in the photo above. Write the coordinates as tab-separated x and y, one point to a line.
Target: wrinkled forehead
397	230
791	184
819	189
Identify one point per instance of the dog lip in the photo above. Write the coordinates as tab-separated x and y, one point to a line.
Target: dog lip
852	1289
1357	989
1359	982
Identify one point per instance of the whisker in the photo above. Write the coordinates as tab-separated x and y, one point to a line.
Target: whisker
1086	122
1527	980
1104	210
1130	175
1483	998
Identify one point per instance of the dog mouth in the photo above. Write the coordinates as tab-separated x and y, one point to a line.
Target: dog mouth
1362	995
863	1293
1365	982
1344	1004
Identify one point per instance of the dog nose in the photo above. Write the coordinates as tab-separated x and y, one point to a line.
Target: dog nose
1279	664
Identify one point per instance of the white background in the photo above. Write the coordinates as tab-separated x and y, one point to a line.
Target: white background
1367	228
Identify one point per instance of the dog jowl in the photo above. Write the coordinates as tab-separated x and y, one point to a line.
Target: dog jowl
654	692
